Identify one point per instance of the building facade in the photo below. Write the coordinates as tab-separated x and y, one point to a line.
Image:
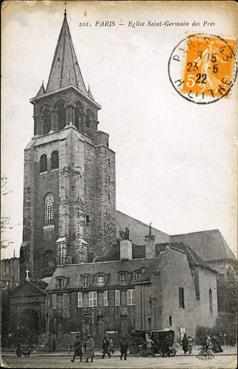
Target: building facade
10	273
165	290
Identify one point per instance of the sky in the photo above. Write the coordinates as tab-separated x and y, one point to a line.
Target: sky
175	160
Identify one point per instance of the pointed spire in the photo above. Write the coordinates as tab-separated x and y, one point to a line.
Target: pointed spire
41	90
65	69
65	12
90	93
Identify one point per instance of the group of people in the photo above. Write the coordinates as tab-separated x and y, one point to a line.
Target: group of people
89	349
107	348
187	344
210	344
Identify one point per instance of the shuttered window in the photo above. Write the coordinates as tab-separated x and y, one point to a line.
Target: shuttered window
54	301
80	300
117	298
105	298
130	297
92	299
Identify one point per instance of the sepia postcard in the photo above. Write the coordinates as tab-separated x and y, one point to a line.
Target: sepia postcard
119	184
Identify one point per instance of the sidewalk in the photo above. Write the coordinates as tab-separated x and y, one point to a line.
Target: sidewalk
227	351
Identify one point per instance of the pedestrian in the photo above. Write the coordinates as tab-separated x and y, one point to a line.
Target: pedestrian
111	346
208	342
149	345
185	343
78	349
123	348
89	349
53	345
105	347
216	347
190	344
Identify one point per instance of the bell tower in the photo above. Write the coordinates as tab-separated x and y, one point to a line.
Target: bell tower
69	172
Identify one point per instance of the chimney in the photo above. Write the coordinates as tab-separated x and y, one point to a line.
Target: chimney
150	245
125	250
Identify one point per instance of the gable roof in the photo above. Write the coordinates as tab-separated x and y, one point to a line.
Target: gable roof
137	229
27	289
208	245
65	70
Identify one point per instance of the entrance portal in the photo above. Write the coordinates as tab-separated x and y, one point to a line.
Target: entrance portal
29	325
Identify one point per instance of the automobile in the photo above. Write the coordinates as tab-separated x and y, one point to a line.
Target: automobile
164	342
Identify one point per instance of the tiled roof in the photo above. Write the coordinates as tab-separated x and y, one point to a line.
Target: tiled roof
138	252
137	229
110	269
209	245
65	70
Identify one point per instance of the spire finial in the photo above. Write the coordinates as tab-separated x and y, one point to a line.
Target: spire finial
65	12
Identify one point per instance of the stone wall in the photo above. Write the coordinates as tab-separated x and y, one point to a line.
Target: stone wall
84	199
207	281
175	273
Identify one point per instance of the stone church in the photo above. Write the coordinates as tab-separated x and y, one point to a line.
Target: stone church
84	266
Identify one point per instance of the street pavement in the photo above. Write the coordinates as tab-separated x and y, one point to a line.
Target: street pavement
225	360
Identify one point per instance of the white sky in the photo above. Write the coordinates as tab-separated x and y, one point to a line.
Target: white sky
175	160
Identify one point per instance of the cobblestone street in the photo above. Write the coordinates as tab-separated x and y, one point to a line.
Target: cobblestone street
226	360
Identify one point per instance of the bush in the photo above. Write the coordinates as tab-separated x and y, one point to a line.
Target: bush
201	334
225	330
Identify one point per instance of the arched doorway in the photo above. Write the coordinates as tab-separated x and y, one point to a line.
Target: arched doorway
29	326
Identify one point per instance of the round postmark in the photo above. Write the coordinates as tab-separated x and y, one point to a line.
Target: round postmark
203	68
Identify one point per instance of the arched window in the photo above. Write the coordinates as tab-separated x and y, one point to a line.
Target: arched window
46	121
54	160
61	116
79	115
49	263
88	118
49	209
210	301
43	163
